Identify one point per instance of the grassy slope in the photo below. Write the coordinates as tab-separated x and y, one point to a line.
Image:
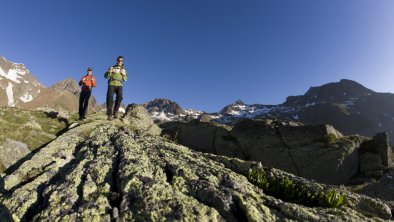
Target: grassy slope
31	127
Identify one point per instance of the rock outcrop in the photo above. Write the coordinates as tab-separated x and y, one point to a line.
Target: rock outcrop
11	151
138	118
23	131
317	152
109	171
376	155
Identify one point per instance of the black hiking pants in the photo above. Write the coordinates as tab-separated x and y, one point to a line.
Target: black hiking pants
83	102
118	90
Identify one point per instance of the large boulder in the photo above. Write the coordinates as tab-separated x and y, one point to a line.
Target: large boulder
313	151
11	151
138	118
375	155
198	135
382	188
317	152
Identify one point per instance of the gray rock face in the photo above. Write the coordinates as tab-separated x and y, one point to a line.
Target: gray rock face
375	155
383	188
107	171
11	151
317	152
139	119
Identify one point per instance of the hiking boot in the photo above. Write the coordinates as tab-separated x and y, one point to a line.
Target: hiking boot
116	115
81	118
109	118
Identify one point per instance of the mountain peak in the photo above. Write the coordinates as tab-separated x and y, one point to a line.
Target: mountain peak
68	84
239	102
234	108
162	105
343	87
337	92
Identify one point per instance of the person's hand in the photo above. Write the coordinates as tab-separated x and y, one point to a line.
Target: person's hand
122	71
111	70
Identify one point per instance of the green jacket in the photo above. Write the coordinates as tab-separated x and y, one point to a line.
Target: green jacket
116	78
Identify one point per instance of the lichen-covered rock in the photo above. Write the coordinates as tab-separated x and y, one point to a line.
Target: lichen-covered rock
370	162
110	171
383	188
11	151
138	118
375	155
292	147
23	131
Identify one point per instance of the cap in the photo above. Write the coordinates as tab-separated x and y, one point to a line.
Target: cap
89	69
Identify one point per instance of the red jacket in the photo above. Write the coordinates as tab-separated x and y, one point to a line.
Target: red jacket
87	82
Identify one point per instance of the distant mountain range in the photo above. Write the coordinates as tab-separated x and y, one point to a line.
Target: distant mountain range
347	105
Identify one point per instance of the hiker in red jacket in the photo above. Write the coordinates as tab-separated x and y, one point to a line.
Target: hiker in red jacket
87	82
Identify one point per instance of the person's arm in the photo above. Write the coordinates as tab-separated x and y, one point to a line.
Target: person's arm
124	74
94	83
108	73
81	82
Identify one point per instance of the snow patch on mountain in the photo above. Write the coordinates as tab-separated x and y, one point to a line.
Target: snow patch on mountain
162	116
12	74
193	112
2	73
350	102
26	98
310	104
10	95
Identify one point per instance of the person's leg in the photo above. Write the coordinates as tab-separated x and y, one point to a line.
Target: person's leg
119	98
110	99
81	99
86	104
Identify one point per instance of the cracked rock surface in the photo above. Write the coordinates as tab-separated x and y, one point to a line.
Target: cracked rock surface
110	171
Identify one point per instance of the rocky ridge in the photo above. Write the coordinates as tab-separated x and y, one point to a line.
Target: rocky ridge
124	171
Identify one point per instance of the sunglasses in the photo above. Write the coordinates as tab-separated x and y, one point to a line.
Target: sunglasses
120	60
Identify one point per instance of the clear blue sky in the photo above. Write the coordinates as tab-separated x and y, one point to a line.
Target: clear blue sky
205	54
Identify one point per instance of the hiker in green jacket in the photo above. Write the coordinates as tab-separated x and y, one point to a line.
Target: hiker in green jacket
116	75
